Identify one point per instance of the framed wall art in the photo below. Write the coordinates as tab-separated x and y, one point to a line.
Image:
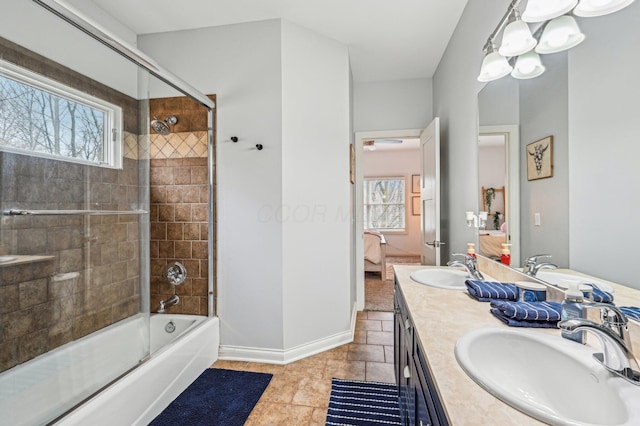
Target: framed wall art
415	184
415	205
540	159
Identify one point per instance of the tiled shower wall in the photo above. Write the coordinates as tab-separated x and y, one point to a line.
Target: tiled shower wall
88	273
179	204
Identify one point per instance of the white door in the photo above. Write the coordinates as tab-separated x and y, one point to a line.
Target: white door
430	193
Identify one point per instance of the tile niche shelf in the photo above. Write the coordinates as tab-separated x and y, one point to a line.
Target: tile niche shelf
11	260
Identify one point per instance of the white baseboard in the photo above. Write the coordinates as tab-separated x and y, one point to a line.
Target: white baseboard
286	356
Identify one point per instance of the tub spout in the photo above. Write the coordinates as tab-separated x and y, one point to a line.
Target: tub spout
173	300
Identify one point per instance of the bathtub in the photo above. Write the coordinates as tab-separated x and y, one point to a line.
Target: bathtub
181	348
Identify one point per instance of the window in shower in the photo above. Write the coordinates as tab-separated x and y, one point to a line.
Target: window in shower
41	117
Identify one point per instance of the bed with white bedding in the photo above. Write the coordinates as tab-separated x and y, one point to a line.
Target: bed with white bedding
491	242
375	253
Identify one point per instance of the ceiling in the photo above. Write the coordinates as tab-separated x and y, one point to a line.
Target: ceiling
387	39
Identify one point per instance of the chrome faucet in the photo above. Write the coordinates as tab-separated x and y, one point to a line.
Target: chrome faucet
613	333
469	263
531	265
173	300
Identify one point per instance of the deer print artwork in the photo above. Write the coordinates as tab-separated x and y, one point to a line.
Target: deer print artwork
540	159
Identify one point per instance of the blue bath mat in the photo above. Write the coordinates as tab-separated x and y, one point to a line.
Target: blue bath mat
217	397
358	403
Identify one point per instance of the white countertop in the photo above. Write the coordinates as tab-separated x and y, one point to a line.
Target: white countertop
440	318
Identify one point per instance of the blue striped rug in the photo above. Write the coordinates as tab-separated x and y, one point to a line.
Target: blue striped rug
356	403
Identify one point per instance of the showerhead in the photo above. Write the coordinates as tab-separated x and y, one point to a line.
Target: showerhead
162	126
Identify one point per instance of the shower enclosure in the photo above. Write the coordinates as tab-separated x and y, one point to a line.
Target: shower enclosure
74	205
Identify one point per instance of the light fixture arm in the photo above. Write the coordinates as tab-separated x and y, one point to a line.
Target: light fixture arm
489	46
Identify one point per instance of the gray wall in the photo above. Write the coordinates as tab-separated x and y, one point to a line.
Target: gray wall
393	105
455	91
604	147
543	112
499	103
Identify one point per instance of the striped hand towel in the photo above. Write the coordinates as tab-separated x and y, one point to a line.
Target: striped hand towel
600	296
631	312
486	291
522	323
529	311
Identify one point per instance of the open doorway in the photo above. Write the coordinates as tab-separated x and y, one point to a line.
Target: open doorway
498	171
388	211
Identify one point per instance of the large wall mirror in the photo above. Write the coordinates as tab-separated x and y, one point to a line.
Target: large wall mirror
587	102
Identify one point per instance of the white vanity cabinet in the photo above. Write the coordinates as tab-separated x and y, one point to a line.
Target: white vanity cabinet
419	402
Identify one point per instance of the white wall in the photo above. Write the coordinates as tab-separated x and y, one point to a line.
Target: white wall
316	188
283	212
33	27
393	105
241	64
394	163
604	148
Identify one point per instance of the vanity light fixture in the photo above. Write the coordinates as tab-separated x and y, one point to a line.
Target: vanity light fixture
528	66
591	8
543	10
494	66
517	38
520	50
560	34
478	221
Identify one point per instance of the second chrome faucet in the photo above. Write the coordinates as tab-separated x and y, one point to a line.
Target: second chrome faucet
617	355
531	265
469	263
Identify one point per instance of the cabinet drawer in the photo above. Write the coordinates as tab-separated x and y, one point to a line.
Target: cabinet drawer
404	319
423	414
431	399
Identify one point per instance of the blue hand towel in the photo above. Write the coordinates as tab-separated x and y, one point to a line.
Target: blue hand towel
600	296
486	291
631	312
529	311
518	323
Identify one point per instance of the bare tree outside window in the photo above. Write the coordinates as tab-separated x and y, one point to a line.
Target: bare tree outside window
384	203
40	117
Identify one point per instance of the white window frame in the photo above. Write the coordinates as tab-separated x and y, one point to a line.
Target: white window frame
364	204
112	137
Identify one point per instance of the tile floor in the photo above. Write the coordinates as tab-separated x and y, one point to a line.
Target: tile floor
298	394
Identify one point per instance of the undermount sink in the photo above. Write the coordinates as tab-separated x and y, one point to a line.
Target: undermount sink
547	377
449	278
558	278
4	259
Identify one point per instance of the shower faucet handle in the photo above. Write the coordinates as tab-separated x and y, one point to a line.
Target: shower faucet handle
175	273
